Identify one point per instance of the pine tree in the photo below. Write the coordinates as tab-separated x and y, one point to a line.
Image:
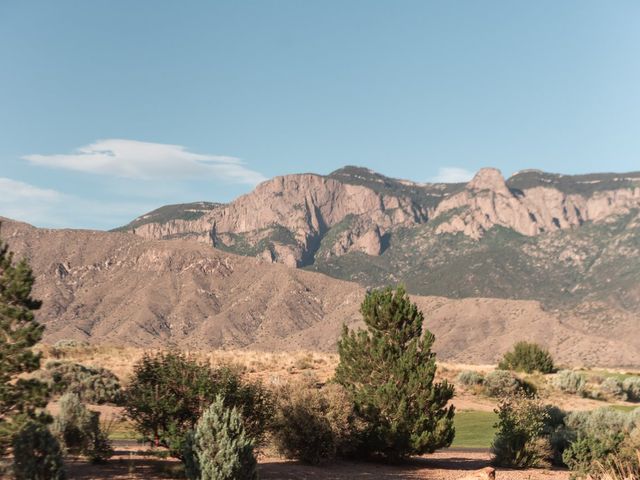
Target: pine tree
389	370
19	332
220	448
36	453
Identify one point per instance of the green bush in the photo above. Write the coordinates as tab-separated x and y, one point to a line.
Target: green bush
314	424
389	371
78	430
631	386
612	387
570	381
220	448
586	452
92	385
601	436
521	439
527	357
37	454
469	378
169	392
500	383
560	437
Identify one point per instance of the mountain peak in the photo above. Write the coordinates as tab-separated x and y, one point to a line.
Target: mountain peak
488	179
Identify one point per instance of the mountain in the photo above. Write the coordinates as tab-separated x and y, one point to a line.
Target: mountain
118	288
560	239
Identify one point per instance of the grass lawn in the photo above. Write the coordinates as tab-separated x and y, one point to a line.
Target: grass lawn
624	408
474	429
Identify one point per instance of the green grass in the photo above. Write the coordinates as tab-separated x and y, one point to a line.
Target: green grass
123	430
618	375
624	408
474	429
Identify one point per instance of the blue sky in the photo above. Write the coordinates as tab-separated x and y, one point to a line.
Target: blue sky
111	108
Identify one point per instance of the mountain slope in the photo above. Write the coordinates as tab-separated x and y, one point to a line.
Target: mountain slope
121	289
538	236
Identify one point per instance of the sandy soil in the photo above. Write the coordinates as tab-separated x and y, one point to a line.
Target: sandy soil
131	464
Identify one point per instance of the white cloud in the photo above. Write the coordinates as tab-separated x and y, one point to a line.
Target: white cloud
50	208
452	175
13	190
148	161
22	201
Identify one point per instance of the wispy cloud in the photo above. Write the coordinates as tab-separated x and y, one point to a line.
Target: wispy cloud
452	175
50	208
22	201
148	161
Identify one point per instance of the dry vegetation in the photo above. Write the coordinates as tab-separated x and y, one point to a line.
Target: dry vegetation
278	367
474	415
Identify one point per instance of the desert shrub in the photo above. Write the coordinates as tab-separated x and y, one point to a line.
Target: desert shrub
37	454
78	430
599	421
560	437
389	371
63	347
612	387
618	468
521	439
570	381
220	448
169	392
469	378
527	357
600	437
631	386
586	451
314	424
500	383
92	385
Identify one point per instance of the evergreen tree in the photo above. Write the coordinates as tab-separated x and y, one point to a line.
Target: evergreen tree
169	392
36	453
220	448
389	369
19	332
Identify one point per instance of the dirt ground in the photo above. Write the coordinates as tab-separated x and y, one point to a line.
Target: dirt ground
130	463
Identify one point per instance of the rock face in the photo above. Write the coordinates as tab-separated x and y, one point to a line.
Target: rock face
487	201
294	218
285	218
120	289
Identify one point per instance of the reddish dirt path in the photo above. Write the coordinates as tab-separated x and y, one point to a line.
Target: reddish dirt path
445	465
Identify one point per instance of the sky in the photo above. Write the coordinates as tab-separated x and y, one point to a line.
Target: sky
111	108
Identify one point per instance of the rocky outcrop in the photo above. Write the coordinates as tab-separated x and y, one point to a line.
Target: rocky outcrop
306	207
293	218
487	201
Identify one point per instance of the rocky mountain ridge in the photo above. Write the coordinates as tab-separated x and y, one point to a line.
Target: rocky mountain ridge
288	219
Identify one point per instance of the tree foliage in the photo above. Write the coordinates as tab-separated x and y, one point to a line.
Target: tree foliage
92	384
220	448
36	454
169	392
521	438
78	430
19	397
389	371
527	357
314	425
